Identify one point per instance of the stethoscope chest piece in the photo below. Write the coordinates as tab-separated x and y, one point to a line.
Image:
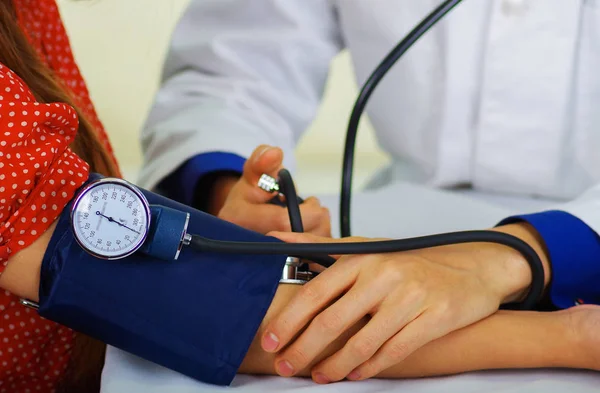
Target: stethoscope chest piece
292	274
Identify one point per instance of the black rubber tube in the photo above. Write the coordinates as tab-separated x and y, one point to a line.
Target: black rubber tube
317	251
361	103
287	187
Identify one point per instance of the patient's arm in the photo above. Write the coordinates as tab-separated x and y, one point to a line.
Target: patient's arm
503	340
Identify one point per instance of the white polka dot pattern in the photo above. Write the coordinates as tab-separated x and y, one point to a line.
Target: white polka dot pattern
34	161
38	176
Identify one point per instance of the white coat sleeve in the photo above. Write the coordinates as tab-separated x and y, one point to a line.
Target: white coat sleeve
238	74
571	234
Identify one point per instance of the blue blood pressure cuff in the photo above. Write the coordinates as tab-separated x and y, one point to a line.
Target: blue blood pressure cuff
197	315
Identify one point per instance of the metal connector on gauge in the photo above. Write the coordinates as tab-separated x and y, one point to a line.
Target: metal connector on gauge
29	304
268	183
291	273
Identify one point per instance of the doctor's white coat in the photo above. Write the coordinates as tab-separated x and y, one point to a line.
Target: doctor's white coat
503	95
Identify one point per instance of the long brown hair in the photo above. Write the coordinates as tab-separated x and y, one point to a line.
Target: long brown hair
87	357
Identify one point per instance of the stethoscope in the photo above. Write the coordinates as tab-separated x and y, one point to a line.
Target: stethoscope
112	219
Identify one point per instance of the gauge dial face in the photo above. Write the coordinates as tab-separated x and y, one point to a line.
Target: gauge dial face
110	219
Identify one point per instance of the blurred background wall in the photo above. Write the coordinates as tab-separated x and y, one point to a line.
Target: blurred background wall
120	46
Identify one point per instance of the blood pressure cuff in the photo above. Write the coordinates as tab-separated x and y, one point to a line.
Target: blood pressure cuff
197	315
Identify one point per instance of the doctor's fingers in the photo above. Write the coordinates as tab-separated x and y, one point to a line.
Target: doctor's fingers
365	343
265	160
324	329
315	218
307	303
267	218
261	218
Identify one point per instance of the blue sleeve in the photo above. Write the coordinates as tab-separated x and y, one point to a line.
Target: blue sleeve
181	184
574	252
197	315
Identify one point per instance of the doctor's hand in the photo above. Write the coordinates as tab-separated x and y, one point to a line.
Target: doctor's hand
245	204
409	298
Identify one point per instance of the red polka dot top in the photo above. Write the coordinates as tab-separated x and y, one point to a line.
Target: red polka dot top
39	174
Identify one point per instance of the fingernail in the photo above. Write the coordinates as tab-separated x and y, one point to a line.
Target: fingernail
354	375
261	152
321	378
285	369
270	342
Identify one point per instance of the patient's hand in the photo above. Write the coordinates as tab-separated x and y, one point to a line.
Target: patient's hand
514	339
246	204
411	299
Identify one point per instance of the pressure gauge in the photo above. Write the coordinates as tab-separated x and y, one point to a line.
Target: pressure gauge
110	218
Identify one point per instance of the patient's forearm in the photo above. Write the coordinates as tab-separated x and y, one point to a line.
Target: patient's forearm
21	276
504	340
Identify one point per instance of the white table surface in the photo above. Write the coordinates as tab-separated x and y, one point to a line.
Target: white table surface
397	211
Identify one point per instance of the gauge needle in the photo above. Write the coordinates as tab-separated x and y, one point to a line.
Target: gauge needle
101	214
110	219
